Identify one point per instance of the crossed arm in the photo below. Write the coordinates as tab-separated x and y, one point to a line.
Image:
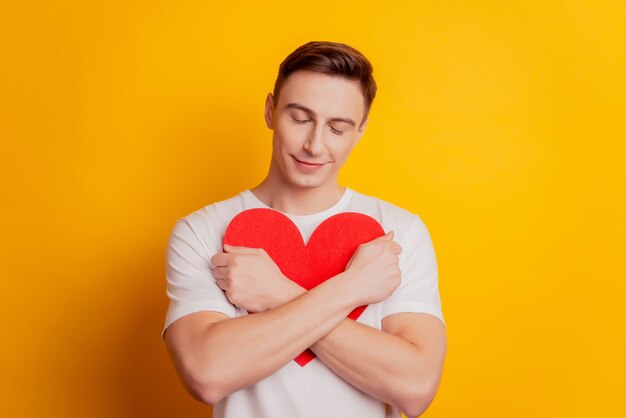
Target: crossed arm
400	365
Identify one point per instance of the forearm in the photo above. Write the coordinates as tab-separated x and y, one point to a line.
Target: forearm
238	352
381	364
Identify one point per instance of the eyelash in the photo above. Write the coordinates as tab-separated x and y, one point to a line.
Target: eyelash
302	122
336	131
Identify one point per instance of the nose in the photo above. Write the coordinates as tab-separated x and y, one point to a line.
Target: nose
314	143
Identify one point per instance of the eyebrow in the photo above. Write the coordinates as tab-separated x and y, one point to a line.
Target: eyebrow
311	112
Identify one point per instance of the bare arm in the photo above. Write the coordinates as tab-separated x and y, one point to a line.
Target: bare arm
401	365
216	356
219	357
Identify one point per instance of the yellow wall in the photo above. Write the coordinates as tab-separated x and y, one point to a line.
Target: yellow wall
501	124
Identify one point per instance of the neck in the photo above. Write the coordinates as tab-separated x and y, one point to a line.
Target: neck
297	200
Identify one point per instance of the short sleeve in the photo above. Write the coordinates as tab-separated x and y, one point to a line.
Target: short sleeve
191	286
419	288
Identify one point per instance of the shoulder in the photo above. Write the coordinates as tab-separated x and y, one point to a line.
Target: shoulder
217	213
407	226
409	229
207	225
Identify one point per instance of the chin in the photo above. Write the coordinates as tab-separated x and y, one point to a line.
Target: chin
306	183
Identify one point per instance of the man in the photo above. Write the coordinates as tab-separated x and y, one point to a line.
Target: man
391	358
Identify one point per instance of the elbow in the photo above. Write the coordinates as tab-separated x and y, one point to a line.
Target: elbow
207	387
207	393
414	407
415	402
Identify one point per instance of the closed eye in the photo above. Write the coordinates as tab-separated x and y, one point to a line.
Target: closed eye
300	121
336	131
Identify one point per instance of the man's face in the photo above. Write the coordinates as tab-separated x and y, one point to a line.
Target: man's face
316	122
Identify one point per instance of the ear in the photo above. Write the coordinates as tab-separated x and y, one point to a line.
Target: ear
269	111
360	132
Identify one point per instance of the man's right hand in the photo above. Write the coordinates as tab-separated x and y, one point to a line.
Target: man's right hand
374	270
251	280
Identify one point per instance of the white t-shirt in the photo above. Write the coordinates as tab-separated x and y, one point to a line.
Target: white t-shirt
294	391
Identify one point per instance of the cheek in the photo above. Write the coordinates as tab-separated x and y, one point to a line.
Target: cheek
290	134
341	147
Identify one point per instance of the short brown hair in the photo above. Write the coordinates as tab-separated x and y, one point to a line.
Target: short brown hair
330	58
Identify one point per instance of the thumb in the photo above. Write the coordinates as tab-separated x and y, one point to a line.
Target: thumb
387	237
232	249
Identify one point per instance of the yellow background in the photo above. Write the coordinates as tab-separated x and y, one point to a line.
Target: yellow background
501	123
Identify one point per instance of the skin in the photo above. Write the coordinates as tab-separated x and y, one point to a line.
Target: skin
318	120
319	134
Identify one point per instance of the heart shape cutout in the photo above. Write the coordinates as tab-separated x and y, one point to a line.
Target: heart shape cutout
327	253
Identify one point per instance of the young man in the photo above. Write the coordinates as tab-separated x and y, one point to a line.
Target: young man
391	358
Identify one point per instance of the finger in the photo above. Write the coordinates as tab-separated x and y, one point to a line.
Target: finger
221	283
220	272
220	260
232	249
388	236
395	247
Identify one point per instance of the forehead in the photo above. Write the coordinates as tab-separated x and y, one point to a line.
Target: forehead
327	95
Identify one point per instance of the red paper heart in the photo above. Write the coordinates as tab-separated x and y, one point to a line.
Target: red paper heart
327	253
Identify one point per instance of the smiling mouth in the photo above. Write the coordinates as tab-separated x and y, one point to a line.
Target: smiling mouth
308	163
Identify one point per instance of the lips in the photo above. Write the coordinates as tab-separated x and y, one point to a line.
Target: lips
307	167
312	164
